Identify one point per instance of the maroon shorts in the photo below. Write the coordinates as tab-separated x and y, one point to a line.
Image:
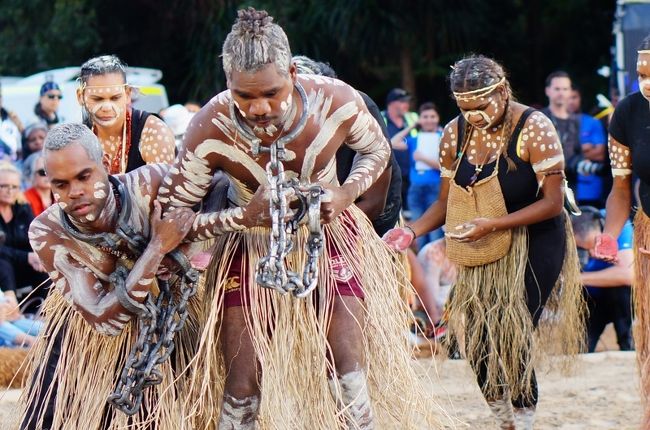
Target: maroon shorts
346	284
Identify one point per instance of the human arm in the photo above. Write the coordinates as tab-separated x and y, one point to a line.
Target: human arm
157	144
189	179
373	201
398	141
619	274
619	201
430	161
434	217
100	306
365	137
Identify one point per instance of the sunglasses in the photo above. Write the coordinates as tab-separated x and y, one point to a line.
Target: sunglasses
41	172
55	96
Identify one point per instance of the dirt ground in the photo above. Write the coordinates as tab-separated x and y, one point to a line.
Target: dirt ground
601	394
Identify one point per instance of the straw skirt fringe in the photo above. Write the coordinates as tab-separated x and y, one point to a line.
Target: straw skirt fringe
290	335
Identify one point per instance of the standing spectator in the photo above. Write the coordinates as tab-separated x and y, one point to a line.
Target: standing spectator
558	88
39	195
26	272
398	117
592	187
608	290
9	133
424	176
48	104
33	139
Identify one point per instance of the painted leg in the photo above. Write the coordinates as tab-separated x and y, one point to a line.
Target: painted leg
349	388
239	414
502	411
524	418
241	400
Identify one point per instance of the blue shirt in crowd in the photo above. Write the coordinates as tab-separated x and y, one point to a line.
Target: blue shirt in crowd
429	144
590	187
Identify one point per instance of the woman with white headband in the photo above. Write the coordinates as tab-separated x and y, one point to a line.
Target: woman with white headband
129	137
501	196
629	153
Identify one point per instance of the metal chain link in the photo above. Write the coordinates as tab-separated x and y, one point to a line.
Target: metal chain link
158	322
271	270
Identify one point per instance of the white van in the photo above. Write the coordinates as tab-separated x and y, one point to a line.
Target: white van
20	95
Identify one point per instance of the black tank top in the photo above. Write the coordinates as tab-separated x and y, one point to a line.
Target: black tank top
519	186
138	119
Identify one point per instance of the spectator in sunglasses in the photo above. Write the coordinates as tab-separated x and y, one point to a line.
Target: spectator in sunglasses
39	195
48	104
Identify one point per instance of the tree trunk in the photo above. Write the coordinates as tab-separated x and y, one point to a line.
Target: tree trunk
408	77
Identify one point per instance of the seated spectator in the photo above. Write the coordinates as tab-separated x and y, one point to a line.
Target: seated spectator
15	328
48	105
607	286
39	194
33	139
439	273
22	267
424	174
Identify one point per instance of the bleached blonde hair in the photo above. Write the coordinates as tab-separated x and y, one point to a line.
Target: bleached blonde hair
254	42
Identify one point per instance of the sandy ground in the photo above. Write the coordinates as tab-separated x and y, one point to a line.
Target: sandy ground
601	394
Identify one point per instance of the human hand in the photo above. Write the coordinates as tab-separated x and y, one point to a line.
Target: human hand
399	239
606	248
473	230
16	120
418	156
35	262
334	200
170	230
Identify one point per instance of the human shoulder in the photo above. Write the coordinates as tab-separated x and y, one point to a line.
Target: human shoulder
47	229
322	87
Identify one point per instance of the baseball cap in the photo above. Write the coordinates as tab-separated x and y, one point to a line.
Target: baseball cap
397	94
49	86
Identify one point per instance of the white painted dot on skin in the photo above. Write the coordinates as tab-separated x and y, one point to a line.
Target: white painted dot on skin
57	197
99	194
90	217
542	147
63	205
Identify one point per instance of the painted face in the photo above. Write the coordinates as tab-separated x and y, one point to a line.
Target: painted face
574	102
106	98
558	91
263	97
429	119
485	111
9	187
643	72
51	100
36	139
79	184
40	179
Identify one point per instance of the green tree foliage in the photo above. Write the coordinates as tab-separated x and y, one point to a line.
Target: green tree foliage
373	44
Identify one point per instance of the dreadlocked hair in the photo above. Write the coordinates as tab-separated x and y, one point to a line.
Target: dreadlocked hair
254	42
476	72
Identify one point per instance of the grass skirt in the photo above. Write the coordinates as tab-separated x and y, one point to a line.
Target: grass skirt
642	308
89	368
489	317
293	354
